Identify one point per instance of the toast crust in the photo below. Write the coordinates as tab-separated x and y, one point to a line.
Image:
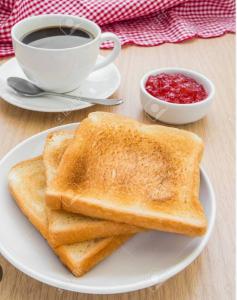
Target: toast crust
102	249
161	221
55	145
87	229
121	170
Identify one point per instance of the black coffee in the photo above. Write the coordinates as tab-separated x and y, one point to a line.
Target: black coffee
57	37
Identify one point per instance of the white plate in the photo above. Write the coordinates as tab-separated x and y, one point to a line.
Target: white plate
100	84
147	259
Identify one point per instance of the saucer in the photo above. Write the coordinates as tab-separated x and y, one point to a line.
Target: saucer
100	84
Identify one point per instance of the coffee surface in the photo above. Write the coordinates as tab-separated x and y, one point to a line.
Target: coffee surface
60	37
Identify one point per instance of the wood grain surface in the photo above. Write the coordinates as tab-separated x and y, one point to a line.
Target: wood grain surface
211	276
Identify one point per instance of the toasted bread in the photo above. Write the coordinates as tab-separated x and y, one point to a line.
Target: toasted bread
27	186
55	145
65	227
121	170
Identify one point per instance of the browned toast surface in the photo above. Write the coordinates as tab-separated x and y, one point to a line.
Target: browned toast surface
121	170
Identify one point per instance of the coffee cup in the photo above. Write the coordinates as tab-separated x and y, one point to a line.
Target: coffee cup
57	68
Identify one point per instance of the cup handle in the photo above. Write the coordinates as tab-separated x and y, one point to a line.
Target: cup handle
113	55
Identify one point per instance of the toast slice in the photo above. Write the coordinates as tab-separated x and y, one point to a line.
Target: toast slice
65	227
145	175
27	186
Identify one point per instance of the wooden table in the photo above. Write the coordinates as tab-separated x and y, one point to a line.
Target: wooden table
211	276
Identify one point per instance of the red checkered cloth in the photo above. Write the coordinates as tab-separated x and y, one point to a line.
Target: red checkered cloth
139	22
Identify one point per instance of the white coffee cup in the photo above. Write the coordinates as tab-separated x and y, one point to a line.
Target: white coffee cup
61	70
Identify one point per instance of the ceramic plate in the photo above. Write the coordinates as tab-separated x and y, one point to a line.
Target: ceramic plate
147	259
100	84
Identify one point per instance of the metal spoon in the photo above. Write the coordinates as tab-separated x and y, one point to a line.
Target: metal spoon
28	89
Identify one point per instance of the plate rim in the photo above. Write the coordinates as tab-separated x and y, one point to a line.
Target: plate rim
159	279
53	110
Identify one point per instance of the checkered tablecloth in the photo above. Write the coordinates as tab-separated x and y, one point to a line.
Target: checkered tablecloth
140	22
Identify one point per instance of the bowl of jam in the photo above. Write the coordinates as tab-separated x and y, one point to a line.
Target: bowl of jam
176	95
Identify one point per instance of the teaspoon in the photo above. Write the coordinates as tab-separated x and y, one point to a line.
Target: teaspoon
28	89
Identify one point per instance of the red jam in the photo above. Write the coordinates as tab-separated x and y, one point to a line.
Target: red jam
175	88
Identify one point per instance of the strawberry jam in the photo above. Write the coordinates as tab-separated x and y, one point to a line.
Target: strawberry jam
175	88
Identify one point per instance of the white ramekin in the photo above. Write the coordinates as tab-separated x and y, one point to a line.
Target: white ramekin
173	113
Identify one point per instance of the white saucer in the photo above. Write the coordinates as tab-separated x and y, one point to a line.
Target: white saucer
147	259
100	84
